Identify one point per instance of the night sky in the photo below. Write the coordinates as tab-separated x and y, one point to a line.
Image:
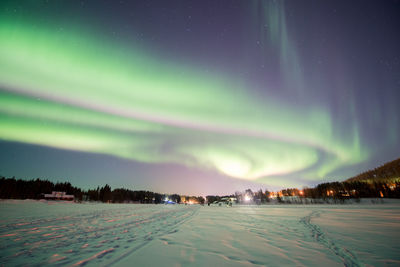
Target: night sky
198	97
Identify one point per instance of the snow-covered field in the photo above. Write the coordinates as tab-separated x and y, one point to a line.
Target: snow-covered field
54	233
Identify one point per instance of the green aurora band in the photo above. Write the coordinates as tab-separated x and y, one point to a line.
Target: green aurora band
74	90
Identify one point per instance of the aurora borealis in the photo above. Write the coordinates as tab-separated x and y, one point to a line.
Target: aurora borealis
198	96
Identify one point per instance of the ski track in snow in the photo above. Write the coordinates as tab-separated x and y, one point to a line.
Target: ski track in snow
102	237
349	259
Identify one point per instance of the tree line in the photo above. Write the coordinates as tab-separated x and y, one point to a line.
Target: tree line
337	191
354	189
11	188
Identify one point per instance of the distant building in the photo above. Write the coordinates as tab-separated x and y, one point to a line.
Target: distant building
59	196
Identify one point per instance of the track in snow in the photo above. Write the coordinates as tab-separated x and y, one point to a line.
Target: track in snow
100	237
348	258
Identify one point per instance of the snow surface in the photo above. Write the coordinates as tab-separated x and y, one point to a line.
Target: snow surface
37	233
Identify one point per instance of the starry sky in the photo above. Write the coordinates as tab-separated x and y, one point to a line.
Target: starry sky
198	97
